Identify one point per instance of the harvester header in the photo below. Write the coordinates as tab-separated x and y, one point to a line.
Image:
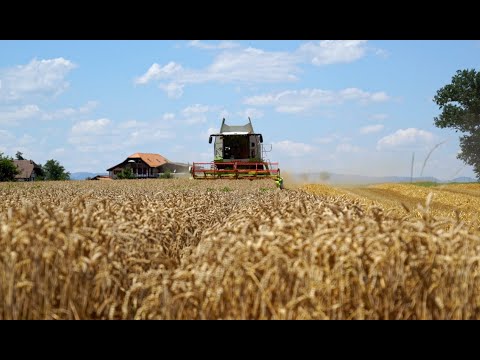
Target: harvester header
238	153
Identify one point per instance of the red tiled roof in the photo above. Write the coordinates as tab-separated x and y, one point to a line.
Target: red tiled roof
152	160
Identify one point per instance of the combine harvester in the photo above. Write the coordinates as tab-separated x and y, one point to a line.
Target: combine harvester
239	153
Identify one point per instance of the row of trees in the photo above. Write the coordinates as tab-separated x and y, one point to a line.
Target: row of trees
52	170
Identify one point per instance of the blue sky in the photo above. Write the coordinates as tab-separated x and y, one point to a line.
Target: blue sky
354	107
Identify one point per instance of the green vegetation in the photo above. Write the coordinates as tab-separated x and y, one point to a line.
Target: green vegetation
126	173
166	175
425	183
53	171
460	105
8	169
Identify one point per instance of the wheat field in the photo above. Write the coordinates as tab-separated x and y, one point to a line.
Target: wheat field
184	249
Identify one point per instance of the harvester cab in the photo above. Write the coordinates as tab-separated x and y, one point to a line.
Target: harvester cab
238	153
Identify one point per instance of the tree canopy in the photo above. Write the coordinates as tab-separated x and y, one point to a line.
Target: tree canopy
459	102
54	171
126	173
8	169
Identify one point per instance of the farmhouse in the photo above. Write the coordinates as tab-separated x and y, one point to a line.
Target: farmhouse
28	170
145	165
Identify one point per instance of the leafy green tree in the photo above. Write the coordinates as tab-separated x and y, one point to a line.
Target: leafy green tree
126	173
167	174
19	155
40	173
8	169
54	171
460	105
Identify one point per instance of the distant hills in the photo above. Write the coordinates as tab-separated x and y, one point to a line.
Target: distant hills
333	178
84	175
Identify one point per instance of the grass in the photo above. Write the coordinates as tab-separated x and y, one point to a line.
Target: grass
426	183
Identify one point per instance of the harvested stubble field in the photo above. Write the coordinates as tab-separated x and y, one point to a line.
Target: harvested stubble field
184	249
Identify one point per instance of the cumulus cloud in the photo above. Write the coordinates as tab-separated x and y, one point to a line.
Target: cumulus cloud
69	112
38	77
13	116
251	65
333	51
405	138
157	72
174	90
370	129
195	114
91	126
295	101
168	116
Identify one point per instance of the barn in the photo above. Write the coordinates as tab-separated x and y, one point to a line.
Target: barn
147	165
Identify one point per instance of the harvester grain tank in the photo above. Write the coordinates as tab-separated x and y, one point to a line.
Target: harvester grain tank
238	153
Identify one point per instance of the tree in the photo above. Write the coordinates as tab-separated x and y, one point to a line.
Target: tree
460	105
126	173
166	175
19	155
8	169
54	171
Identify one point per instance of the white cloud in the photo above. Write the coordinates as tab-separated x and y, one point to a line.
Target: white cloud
168	116
208	46
251	65
69	112
38	77
347	148
91	127
195	114
174	90
333	51
156	72
294	101
379	116
14	115
370	129
410	137
194	110
130	124
291	148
